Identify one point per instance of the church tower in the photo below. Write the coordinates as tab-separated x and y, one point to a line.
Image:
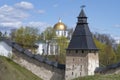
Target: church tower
81	55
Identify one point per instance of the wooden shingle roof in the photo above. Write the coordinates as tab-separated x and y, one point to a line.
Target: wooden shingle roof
82	37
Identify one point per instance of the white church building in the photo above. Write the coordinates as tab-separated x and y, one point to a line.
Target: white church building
53	49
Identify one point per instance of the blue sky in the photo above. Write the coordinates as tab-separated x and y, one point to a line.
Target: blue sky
103	15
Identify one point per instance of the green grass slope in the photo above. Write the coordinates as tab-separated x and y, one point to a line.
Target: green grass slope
100	77
12	71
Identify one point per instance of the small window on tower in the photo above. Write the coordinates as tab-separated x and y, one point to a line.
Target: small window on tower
76	51
81	68
90	51
80	73
73	66
73	59
69	51
82	51
72	73
81	59
94	51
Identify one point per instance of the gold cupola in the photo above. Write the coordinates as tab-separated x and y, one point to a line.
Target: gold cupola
60	25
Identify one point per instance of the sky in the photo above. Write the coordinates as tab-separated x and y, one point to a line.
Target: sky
103	15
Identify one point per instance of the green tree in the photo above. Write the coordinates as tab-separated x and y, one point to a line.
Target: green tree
118	53
63	44
106	53
109	56
26	36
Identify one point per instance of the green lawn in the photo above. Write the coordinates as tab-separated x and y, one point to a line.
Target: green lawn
12	71
100	77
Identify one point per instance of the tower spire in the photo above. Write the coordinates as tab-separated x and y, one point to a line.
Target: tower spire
81	47
82	13
82	37
82	18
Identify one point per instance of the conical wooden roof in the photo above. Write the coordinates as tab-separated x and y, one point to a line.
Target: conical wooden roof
82	37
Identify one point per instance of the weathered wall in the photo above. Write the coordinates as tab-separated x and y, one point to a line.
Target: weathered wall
76	64
93	62
42	70
80	63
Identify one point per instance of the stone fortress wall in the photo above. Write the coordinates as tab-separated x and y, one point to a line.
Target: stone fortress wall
42	67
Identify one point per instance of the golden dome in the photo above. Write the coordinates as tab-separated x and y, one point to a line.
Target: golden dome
60	26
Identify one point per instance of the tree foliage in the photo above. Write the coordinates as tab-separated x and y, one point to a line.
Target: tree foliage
118	53
106	53
104	38
62	43
26	36
48	34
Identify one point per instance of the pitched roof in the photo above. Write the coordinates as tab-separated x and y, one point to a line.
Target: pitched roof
82	37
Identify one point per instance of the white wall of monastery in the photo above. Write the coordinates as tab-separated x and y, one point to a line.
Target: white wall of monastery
5	49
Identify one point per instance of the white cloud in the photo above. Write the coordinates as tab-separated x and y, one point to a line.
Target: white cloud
24	5
117	25
11	12
39	25
11	24
41	11
11	16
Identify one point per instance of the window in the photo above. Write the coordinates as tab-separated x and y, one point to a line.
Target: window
69	51
80	73
90	51
82	51
80	67
81	59
72	73
73	59
73	67
94	51
76	51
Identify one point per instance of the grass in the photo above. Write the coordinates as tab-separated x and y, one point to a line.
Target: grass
12	71
100	77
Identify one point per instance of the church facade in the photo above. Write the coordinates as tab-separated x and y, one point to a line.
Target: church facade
54	49
82	53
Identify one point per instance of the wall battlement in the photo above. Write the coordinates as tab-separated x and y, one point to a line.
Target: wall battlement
40	66
42	70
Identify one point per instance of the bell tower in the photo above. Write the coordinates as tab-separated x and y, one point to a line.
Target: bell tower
82	54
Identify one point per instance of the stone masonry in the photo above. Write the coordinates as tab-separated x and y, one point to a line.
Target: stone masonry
42	70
